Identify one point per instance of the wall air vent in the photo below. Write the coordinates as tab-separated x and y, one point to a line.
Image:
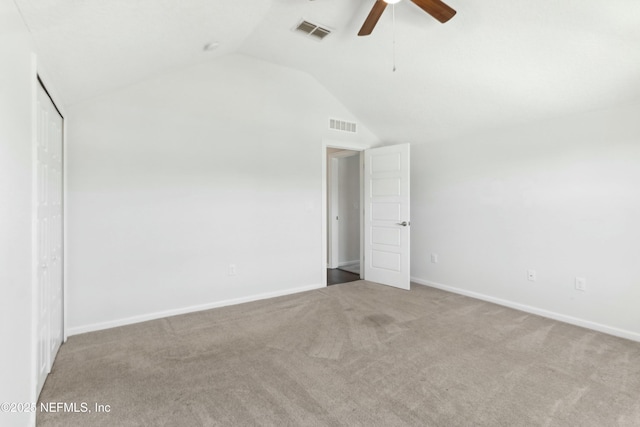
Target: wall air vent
313	30
342	126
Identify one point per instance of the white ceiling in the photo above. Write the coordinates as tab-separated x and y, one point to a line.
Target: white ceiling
496	63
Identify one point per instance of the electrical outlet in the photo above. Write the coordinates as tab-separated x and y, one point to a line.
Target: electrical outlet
232	269
531	275
434	258
581	284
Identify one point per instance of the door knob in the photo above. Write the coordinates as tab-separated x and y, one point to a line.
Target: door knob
404	223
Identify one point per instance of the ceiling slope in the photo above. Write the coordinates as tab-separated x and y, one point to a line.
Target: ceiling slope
92	47
496	63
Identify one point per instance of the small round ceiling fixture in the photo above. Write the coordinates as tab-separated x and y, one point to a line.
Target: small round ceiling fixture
211	46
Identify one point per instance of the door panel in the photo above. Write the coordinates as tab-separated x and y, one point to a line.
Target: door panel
387	244
48	235
386	236
385	211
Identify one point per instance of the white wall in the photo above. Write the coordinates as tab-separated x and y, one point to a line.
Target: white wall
16	84
561	197
349	208
172	180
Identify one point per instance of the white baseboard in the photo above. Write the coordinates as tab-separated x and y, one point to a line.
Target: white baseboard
622	333
348	263
184	310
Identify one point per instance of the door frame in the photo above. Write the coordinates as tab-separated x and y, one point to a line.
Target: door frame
332	210
333	203
343	145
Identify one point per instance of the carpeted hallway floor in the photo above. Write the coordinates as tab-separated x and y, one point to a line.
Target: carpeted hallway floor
358	354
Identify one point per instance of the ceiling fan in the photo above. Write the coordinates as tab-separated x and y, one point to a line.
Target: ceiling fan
435	8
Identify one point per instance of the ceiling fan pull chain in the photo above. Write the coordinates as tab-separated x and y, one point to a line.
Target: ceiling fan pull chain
393	14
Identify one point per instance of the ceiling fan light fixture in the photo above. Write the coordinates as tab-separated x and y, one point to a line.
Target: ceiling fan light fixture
436	8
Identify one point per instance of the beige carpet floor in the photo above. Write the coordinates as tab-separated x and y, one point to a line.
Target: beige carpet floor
357	354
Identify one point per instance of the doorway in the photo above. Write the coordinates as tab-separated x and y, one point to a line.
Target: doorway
344	215
384	213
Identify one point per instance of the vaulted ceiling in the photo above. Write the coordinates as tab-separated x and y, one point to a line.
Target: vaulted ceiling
496	63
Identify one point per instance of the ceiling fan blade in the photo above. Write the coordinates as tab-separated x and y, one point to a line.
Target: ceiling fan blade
436	8
371	21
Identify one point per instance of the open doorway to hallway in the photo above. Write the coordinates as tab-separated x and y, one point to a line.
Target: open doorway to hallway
336	276
343	215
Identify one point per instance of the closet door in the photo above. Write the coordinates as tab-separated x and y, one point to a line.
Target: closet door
49	286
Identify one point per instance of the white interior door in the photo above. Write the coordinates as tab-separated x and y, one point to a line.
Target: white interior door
387	216
49	235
